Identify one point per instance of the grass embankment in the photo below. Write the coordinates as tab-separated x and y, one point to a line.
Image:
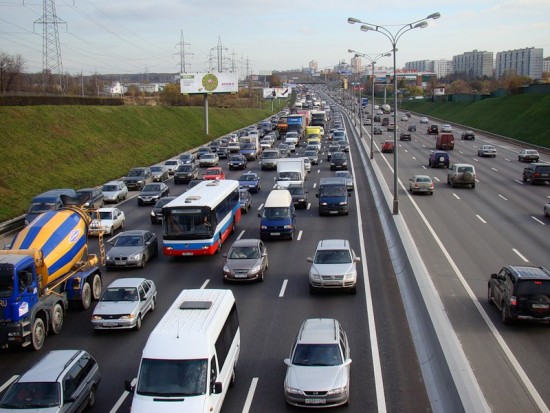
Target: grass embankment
46	147
523	117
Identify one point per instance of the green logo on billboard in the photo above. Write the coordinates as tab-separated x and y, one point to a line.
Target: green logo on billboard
210	82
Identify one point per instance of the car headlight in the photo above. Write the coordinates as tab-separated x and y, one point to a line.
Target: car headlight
292	390
140	182
349	275
263	226
226	269
343	203
97	317
255	269
136	256
127	316
314	275
152	213
288	226
338	390
109	258
323	203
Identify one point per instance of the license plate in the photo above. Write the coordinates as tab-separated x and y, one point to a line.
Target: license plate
333	212
540	306
120	263
186	254
110	325
316	401
332	283
275	233
240	275
543	174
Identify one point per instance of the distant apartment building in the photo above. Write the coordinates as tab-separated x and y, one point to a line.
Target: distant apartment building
546	65
441	68
356	65
474	64
521	62
313	66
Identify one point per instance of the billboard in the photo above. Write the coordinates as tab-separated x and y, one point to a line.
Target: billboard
208	83
276	92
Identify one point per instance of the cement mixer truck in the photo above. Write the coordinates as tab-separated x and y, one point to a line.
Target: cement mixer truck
45	270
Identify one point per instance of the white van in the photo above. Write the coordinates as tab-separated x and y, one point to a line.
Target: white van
190	357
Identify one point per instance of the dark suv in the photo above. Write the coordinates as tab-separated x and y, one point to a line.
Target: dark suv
521	292
138	177
537	172
186	173
91	198
438	159
433	130
62	381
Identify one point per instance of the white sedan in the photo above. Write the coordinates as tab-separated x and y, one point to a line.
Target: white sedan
108	221
424	119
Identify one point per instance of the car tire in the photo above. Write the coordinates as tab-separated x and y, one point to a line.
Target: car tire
153	304
91	397
504	316
143	262
490	296
137	327
353	290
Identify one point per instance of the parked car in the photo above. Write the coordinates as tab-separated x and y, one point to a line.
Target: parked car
156	212
237	162
250	180
160	173
462	174
246	260
214	173
347	176
299	195
405	136
61	381
468	135
132	249
520	292
438	159
318	368
106	221
187	158
91	198
487	150
411	127
185	173
537	173
172	165
209	159
388	146
114	191
422	184
338	160
245	199
528	155
151	193
124	303
334	266
138	177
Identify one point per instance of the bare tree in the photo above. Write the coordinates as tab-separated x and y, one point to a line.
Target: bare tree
11	69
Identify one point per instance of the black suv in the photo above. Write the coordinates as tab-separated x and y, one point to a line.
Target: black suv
521	292
138	177
185	173
91	198
438	159
433	130
537	172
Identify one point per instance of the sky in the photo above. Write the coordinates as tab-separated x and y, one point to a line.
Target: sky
145	36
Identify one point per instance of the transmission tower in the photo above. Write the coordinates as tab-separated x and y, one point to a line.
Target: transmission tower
183	54
220	50
52	65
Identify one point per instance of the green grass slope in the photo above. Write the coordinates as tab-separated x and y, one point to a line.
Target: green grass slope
46	147
523	117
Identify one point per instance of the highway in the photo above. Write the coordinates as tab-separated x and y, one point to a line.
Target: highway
464	235
386	374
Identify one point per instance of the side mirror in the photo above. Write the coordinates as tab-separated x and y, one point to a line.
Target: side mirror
287	362
357	259
259	215
494	276
217	388
309	259
316	195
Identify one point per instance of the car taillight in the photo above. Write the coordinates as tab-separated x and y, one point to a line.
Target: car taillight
513	301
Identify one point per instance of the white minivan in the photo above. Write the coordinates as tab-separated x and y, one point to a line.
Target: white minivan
190	357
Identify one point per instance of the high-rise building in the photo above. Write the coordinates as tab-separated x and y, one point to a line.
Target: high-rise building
442	68
313	66
356	65
419	66
474	64
520	62
546	65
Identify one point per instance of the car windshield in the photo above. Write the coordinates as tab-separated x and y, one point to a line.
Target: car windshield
343	174
128	241
171	163
185	168
186	157
337	156
310	153
248	146
270	155
295	190
208	156
465	169
107	215
135	172
236	158
212	172
276	213
156	168
332	257
163	201
289	176
31	395
423	179
248	177
39	208
109	188
317	355
172	378
120	294
151	188
244	253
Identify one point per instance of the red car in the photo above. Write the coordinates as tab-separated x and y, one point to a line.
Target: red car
388	146
214	173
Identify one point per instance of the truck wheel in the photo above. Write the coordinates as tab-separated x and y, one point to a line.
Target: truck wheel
96	287
57	318
86	296
38	334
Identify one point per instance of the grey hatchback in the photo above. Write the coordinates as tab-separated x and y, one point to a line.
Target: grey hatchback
62	381
246	261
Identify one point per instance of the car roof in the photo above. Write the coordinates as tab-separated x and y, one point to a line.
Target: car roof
126	282
528	272
246	242
319	331
49	367
329	244
134	232
107	209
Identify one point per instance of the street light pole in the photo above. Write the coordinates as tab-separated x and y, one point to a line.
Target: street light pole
393	38
372	62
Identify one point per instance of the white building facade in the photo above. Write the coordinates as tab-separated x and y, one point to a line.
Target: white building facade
521	62
474	64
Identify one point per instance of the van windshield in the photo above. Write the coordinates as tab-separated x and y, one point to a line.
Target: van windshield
276	213
289	176
41	207
332	190
172	378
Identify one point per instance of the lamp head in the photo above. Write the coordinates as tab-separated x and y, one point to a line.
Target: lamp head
353	20
351	51
366	28
421	25
434	16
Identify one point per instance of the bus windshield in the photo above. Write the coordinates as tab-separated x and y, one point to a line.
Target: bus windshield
189	223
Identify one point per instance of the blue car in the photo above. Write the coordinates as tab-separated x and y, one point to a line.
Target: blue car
250	180
237	162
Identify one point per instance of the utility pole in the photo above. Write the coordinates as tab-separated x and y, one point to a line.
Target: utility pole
183	54
219	50
52	64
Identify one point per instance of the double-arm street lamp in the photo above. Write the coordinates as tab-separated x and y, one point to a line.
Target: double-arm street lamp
372	62
394	37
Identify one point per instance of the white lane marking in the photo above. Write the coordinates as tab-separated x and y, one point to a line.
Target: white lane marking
204	284
437	179
376	363
477	180
456	196
475	159
260	207
481	219
460	152
518	181
283	288
507	160
274	186
506	199
308	205
424	167
7	383
538	220
315	185
519	255
299	237
318	171
414	158
495	169
250	395
241	234
122	397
